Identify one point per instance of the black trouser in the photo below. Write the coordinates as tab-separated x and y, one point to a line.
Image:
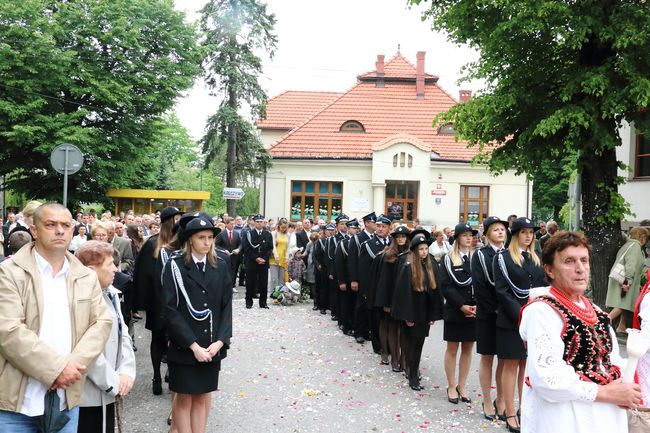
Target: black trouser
323	290
389	337
333	288
257	279
347	300
413	341
242	272
90	419
234	266
361	318
374	330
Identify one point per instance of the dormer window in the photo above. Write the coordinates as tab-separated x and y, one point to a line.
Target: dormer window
352	126
447	129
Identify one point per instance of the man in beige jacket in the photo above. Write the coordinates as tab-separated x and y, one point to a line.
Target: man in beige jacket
53	325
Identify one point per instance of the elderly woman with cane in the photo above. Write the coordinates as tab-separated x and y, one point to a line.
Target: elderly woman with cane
112	375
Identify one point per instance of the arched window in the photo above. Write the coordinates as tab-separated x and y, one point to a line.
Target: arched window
447	129
403	157
352	126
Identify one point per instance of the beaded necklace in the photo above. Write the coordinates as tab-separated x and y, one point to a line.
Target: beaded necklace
586	314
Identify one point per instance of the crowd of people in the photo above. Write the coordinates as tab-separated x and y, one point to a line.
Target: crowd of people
70	290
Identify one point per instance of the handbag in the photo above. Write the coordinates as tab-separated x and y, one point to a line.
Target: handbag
638	421
617	273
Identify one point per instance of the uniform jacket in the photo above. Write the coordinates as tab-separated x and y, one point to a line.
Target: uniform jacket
403	306
355	251
368	251
341	257
103	382
388	279
524	277
148	286
320	256
223	241
212	290
483	281
456	295
126	253
257	246
332	243
22	353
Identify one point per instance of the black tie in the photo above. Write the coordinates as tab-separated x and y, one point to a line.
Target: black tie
200	266
526	255
465	259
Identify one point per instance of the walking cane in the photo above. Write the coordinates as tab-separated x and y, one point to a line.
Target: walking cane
118	413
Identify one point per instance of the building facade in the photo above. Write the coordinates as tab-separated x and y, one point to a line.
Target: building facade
634	152
375	148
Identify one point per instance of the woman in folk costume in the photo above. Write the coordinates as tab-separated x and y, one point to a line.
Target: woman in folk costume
573	366
390	260
486	313
113	373
622	296
198	317
416	304
639	420
516	270
459	313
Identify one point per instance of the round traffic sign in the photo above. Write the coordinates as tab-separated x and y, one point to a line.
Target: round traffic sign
58	159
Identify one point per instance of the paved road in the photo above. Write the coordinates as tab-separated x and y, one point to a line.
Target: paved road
291	370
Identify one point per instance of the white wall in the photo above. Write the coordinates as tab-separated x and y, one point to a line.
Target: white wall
635	191
270	136
508	193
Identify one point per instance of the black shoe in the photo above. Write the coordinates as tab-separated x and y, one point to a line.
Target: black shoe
314	308
489	417
167	377
398	369
360	340
323	311
264	306
382	362
135	349
510	428
334	318
416	387
169	418
249	306
156	386
463	399
349	332
452	400
500	416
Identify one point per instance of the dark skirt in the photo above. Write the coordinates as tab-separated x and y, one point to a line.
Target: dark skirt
509	344
90	419
460	332
486	336
195	378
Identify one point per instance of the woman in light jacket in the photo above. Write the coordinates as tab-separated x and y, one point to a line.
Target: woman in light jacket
622	297
113	373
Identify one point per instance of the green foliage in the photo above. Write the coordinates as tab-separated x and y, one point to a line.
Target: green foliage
97	74
235	30
561	78
551	186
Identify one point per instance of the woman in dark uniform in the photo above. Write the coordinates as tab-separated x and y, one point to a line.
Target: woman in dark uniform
198	318
486	313
388	327
148	289
516	271
416	304
459	313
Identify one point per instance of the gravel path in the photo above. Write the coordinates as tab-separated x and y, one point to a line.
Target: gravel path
291	370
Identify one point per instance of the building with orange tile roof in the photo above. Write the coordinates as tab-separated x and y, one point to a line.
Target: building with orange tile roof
375	148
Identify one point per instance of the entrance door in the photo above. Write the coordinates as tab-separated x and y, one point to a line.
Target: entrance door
402	200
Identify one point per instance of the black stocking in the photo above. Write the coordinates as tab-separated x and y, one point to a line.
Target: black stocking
157	348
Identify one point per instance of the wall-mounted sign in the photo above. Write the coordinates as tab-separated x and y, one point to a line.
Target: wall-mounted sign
438	201
439	192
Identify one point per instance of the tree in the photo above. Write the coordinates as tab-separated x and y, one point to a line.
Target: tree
94	73
234	31
551	187
561	77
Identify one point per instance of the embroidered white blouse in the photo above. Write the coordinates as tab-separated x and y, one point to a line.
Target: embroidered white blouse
643	368
554	398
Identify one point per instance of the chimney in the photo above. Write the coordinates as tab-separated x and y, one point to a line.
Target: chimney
419	76
379	65
464	95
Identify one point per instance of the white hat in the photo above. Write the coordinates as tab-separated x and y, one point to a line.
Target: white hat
294	286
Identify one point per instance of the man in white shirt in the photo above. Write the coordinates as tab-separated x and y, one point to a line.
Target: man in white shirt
53	325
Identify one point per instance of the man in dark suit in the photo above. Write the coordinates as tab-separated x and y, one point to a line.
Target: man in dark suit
258	246
122	245
332	243
230	240
347	298
361	317
302	236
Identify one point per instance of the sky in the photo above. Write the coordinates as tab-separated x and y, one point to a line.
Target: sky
323	45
